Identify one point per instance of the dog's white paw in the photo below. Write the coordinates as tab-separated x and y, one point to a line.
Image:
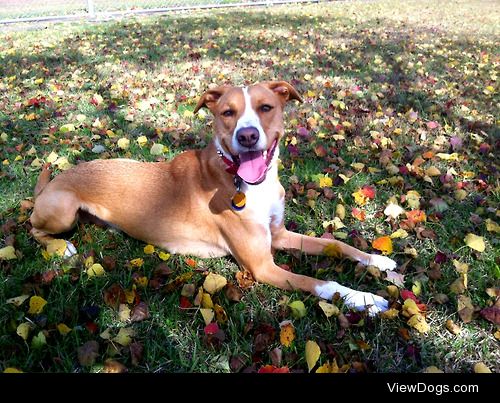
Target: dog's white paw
353	299
383	263
365	300
70	249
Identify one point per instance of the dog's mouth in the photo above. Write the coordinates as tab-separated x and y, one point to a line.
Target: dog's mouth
253	165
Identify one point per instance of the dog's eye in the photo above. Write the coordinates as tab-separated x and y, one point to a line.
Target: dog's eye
228	113
265	108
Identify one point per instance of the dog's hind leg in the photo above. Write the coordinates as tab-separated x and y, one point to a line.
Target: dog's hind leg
54	212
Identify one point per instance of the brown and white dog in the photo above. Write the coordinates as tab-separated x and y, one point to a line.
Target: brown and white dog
224	199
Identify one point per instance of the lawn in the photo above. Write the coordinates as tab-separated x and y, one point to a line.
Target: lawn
396	142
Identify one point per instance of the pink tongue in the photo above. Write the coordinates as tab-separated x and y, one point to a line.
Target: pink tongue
252	166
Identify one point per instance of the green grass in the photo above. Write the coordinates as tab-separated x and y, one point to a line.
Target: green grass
382	59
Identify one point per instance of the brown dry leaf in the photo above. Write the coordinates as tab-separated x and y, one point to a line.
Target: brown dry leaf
113	367
245	279
136	351
140	312
453	327
458	286
88	353
220	314
233	293
465	308
287	333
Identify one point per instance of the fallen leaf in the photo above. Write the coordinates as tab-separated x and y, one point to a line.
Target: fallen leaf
271	369
312	352
465	308
481	368
23	330
298	309
491	226
36	305
220	314
418	322
96	270
393	210
453	327
340	211
88	353
491	314
149	249
136	352
332	250
139	312
233	293
188	290
214	282
458	286
410	308
18	301
393	291
8	253
390	314
56	247
39	340
63	329
475	242
395	278
12	370
328	309
208	315
124	336
432	370
287	333
383	244
400	233
113	367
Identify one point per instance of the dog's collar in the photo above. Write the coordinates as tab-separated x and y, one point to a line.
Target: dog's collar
231	166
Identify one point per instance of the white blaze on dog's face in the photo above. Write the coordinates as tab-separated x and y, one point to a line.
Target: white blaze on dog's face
249	123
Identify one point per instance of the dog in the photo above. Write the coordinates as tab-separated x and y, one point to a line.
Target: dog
220	200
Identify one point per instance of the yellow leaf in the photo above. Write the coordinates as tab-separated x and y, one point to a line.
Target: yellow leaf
390	314
8	253
51	157
36	305
138	262
332	250
393	210
208	315
475	242
124	336
413	199
344	178
400	233
123	143
432	171
214	282
89	262
481	368
56	247
393	291
206	301
410	308
416	288
492	226
460	267
130	295
453	327
358	166
164	256
12	370
62	163
23	330
149	249
63	329
325	181
411	251
432	370
287	333
312	354
328	309
123	313
106	335
458	286
96	270
360	198
298	309
460	194
17	301
383	244
142	140
418	322
340	211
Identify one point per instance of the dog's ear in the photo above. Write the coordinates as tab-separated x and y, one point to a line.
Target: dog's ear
284	90
210	98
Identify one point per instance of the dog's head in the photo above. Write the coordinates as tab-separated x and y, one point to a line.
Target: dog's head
249	123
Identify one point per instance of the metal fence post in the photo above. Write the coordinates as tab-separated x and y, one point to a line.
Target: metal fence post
90	9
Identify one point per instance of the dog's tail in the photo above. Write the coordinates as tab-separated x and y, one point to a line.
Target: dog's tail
43	179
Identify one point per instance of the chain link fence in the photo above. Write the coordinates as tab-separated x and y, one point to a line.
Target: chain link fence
12	11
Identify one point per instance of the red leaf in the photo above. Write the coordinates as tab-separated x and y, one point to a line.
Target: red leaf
368	191
271	369
91	327
211	328
185	303
358	214
405	294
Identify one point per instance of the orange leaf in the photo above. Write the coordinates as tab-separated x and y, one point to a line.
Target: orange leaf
359	214
416	216
287	334
271	369
383	244
368	191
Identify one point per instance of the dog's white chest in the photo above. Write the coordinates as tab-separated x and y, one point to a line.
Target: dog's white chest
265	202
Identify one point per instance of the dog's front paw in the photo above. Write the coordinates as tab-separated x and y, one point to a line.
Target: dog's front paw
383	263
365	300
70	250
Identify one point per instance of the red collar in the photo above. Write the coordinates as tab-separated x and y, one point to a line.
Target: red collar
232	167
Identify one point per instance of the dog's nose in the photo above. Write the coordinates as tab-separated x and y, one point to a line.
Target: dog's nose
247	136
